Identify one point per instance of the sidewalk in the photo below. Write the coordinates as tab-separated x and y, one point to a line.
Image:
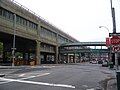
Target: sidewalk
112	84
112	81
13	67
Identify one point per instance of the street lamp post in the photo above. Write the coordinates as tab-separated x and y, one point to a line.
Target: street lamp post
110	40
114	30
113	17
105	28
14	33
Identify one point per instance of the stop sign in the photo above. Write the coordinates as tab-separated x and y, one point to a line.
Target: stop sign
115	40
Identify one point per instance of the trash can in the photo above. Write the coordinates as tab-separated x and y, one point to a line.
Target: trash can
111	65
118	79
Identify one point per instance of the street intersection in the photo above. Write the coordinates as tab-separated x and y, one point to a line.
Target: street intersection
56	77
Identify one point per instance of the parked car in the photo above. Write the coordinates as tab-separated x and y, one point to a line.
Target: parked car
100	61
105	64
93	62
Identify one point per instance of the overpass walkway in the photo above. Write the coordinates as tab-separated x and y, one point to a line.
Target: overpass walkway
77	52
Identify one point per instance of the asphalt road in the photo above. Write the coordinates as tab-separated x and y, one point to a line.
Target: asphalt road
56	77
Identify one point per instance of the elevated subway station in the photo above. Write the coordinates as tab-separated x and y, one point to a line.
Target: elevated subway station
36	40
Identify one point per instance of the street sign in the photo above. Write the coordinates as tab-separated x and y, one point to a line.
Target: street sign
115	48
114	34
115	40
107	41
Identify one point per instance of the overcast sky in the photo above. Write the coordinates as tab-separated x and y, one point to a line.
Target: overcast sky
79	18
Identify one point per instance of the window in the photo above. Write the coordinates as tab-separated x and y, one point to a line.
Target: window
21	20
10	16
48	34
62	39
24	22
32	25
17	19
4	13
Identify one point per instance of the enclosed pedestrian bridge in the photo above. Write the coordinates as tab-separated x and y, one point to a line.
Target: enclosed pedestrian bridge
84	47
85	44
77	52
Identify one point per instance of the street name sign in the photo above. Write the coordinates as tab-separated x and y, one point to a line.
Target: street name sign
114	34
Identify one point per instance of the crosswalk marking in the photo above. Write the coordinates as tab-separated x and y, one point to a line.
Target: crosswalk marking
23	80
38	83
21	75
43	74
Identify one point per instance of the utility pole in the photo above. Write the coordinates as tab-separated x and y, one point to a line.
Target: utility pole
114	31
14	33
113	17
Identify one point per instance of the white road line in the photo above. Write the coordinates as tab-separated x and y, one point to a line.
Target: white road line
32	82
85	86
38	83
21	75
5	82
90	89
35	76
26	78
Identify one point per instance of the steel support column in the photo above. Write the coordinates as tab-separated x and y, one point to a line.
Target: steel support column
79	57
74	57
68	58
38	62
56	55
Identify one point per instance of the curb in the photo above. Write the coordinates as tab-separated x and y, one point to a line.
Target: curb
13	67
107	83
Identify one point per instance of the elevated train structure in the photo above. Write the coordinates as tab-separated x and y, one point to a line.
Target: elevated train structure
35	38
